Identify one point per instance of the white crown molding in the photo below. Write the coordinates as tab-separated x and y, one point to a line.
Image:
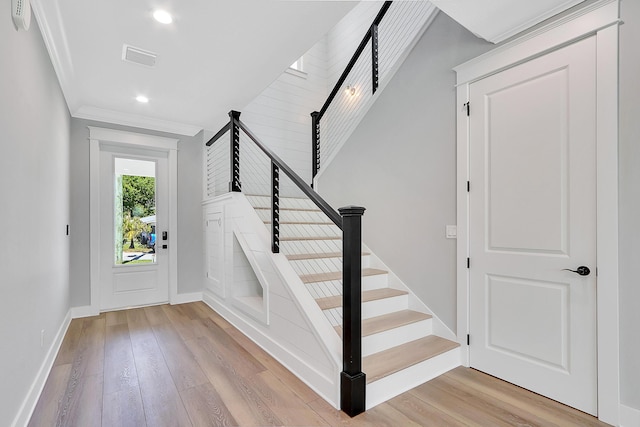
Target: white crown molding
55	38
51	27
125	119
499	37
584	22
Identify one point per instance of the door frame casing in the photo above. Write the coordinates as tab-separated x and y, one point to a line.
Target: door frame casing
98	136
600	20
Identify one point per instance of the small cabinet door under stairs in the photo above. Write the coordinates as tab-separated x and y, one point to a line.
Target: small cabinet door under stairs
532	219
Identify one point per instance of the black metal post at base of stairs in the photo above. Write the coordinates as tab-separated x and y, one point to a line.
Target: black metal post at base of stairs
353	382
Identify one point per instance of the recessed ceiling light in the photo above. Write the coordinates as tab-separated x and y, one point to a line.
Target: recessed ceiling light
142	99
162	16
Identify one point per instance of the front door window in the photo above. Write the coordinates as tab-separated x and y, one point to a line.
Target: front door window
134	211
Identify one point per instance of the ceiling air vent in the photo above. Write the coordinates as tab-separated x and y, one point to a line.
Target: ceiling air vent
139	56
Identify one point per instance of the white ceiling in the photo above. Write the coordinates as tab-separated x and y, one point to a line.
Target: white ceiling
217	55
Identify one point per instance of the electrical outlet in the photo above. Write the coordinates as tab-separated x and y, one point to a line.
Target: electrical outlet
42	338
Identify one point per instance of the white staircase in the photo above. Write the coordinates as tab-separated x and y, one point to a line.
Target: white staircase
399	348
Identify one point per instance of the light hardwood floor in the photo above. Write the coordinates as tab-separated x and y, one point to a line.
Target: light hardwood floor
186	366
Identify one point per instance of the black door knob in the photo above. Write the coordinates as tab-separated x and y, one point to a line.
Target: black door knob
582	270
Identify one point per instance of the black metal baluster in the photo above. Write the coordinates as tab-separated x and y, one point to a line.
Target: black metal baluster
352	380
234	184
315	145
374	57
275	208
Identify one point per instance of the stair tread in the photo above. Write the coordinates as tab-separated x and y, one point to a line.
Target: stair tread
389	321
372	295
297	238
337	275
395	359
299	257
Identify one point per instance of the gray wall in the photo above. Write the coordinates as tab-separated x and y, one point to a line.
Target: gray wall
400	165
34	193
190	239
629	204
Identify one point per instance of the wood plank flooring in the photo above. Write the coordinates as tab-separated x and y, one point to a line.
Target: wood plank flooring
184	365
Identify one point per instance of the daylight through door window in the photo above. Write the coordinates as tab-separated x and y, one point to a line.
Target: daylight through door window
134	211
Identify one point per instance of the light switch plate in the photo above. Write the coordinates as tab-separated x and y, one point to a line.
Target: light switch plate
451	231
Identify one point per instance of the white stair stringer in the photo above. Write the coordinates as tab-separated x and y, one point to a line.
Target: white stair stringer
316	262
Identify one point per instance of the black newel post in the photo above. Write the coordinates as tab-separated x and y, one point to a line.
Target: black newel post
275	208
352	380
234	184
315	145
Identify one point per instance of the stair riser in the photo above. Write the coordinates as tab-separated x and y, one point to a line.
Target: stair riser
323	265
368	282
375	282
310	246
395	337
400	382
293	216
309	230
384	306
285	202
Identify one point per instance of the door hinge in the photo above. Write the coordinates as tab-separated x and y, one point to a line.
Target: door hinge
468	262
467	106
468	340
468	186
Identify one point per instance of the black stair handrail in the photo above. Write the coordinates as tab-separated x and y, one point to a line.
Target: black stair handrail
349	220
333	215
372	34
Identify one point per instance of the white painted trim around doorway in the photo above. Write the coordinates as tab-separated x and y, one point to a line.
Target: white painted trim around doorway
599	19
97	136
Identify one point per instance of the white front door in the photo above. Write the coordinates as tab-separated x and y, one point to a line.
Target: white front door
532	217
134	267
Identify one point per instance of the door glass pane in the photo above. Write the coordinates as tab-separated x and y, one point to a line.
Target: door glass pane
134	211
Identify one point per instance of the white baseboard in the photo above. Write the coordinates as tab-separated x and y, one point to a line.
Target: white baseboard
186	298
629	417
30	401
84	311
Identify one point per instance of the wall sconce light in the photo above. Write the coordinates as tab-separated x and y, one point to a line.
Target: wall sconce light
351	90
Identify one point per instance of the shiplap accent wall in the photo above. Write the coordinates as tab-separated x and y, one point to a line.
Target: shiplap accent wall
280	115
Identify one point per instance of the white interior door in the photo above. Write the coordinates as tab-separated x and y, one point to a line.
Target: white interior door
532	215
138	275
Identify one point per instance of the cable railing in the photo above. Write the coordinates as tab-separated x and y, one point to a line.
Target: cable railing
390	35
250	161
281	198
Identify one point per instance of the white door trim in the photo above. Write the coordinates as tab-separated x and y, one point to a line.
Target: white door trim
97	136
599	19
